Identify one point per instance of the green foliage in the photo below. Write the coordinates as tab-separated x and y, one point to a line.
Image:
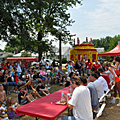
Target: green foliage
64	60
113	42
30	21
1	50
25	54
102	42
8	56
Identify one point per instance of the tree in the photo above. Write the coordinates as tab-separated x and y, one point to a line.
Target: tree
8	56
32	20
114	42
25	54
102	42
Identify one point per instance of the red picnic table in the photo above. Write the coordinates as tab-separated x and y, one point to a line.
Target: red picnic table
44	107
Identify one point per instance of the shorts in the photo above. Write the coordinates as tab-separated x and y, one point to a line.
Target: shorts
117	79
68	118
23	101
43	78
117	72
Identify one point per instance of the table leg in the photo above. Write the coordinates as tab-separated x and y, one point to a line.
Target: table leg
36	118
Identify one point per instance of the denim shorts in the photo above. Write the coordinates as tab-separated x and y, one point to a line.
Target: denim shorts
68	118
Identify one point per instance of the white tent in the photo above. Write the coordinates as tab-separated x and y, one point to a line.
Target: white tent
19	54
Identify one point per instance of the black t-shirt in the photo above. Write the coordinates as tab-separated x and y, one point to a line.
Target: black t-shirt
53	63
40	87
2	78
9	79
28	87
19	97
35	77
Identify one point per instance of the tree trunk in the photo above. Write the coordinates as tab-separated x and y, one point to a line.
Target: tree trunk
39	46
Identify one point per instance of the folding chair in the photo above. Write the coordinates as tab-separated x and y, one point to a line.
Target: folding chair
100	111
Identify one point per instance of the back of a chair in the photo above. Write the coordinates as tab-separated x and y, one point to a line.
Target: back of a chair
100	111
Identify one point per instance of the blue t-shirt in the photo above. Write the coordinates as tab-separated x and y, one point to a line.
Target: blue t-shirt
93	94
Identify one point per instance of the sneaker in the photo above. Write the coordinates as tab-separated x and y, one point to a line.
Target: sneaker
49	88
112	101
8	92
45	85
14	91
32	100
118	104
48	84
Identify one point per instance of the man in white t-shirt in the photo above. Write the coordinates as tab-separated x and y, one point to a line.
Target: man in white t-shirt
43	62
80	102
98	85
102	80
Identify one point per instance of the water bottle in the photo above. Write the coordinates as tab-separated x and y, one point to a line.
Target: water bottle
62	97
70	89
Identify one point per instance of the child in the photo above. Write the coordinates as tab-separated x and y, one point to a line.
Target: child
17	80
30	89
2	95
11	112
60	80
52	75
41	89
24	97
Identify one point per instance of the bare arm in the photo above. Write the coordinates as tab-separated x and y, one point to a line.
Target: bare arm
23	97
116	67
12	109
110	69
69	106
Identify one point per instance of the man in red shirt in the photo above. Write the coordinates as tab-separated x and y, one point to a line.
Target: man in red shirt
96	65
88	66
3	65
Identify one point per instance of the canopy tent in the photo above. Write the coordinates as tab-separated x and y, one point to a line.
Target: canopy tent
113	52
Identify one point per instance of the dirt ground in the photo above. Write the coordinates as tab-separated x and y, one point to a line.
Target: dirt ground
111	112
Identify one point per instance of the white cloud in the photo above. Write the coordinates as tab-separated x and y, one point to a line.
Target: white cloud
105	18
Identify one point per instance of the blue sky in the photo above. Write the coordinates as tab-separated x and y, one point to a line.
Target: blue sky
94	19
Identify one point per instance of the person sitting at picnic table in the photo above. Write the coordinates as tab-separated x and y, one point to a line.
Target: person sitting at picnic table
42	89
11	112
80	102
3	97
30	89
44	76
24	97
93	92
98	84
102	80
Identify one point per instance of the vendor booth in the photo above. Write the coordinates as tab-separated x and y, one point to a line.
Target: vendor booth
113	52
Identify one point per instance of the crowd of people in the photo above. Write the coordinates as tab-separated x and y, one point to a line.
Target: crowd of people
87	81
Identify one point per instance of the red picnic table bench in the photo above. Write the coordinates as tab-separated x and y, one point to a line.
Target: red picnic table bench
44	107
